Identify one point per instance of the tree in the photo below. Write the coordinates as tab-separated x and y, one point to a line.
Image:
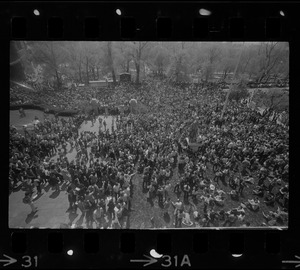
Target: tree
123	55
197	59
75	61
138	54
17	54
84	59
245	59
50	54
160	62
87	55
178	69
111	61
281	69
271	54
229	59
159	59
213	55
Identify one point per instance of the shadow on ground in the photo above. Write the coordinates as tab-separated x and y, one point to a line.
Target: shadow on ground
80	220
72	217
55	194
30	217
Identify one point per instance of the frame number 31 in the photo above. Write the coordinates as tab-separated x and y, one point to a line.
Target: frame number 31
168	261
29	261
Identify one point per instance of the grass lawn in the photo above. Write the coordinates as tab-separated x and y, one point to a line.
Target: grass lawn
18	122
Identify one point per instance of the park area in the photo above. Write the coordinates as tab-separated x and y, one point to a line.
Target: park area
194	137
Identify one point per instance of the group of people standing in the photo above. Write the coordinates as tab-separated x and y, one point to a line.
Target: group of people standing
236	174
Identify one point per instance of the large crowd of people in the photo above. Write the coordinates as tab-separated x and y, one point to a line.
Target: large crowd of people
200	169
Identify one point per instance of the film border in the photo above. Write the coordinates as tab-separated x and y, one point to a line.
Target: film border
169	15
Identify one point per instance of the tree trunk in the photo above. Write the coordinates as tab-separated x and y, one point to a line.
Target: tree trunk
160	71
127	66
79	73
207	75
267	79
87	71
244	69
97	72
58	82
114	75
137	79
111	61
275	77
79	70
262	76
224	75
94	74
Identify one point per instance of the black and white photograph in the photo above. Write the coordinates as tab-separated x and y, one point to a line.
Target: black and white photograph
149	135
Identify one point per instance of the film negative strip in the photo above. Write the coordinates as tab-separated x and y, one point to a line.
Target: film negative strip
105	62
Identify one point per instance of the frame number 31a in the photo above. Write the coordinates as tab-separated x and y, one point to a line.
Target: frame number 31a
168	261
29	261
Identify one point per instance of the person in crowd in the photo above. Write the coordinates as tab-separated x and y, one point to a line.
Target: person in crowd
167	204
28	200
22	113
243	145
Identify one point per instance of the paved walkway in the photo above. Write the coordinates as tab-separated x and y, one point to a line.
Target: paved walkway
52	206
